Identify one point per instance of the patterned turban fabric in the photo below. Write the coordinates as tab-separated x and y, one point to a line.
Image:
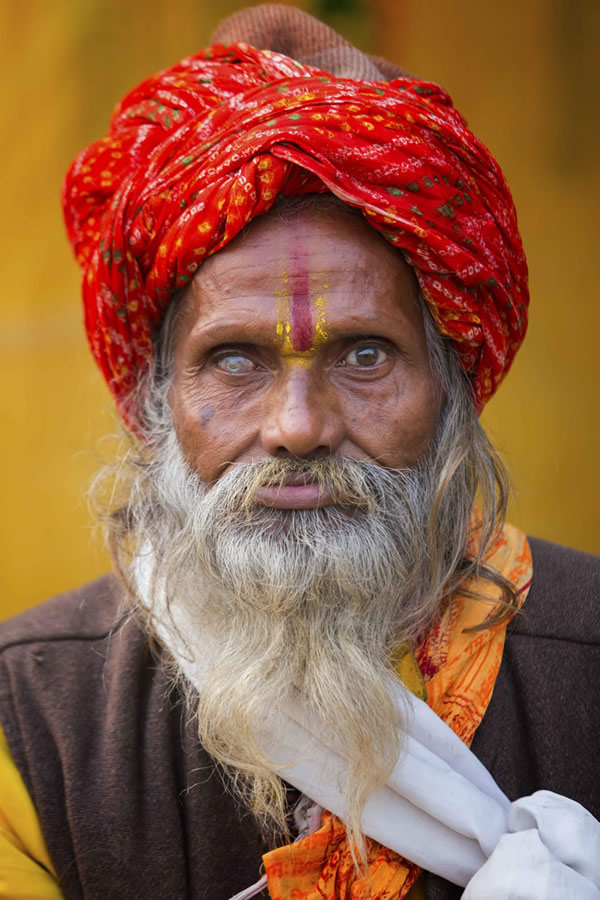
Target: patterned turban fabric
197	151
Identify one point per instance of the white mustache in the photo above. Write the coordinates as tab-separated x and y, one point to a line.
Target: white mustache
348	482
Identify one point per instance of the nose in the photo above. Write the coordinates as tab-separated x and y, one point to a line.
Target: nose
302	419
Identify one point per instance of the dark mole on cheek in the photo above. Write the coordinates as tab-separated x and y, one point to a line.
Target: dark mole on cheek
206	415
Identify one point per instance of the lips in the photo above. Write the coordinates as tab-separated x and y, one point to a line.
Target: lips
297	492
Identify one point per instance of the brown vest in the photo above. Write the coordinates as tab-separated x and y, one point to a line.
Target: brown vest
132	806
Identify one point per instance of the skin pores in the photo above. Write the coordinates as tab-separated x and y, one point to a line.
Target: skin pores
303	338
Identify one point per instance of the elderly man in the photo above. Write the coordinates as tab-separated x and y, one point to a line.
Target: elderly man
302	281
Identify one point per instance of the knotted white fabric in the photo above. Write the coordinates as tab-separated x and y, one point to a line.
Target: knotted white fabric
552	852
440	808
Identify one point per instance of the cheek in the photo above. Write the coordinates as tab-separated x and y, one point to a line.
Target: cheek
210	432
416	422
396	426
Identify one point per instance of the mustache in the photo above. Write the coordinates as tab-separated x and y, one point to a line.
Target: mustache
351	483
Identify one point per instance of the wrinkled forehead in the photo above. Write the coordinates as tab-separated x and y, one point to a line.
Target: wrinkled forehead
301	281
303	240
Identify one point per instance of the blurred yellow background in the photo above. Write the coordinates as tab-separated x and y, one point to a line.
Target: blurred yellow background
525	73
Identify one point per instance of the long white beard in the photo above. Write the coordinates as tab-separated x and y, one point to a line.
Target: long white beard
303	606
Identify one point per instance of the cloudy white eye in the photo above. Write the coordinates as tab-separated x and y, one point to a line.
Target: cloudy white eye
365	357
235	364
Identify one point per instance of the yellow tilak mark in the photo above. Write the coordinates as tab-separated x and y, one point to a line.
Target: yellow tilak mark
320	305
284	327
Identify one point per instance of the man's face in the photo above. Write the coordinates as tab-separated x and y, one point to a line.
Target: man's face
303	338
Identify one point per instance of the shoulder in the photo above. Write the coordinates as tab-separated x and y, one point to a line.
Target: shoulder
564	599
74	652
63	666
86	614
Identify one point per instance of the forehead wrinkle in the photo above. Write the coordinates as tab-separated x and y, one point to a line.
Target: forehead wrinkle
255	266
247	261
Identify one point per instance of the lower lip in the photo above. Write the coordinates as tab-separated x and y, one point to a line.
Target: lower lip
293	496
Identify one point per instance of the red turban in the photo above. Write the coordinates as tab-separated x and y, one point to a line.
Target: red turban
198	150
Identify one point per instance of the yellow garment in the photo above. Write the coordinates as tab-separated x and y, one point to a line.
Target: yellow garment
26	872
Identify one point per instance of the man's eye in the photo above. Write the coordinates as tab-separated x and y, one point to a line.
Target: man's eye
235	364
366	357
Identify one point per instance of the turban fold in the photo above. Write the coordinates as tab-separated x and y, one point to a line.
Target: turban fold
197	151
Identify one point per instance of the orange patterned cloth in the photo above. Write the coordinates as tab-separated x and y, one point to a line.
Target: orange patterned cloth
456	676
196	152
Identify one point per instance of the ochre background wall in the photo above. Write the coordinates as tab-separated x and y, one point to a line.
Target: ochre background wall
525	73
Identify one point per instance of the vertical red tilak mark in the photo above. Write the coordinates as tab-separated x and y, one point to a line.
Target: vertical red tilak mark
301	323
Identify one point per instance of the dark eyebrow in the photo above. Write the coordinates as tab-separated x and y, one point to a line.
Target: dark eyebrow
231	333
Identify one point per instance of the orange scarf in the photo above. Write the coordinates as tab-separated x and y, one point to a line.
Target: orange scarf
455	672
